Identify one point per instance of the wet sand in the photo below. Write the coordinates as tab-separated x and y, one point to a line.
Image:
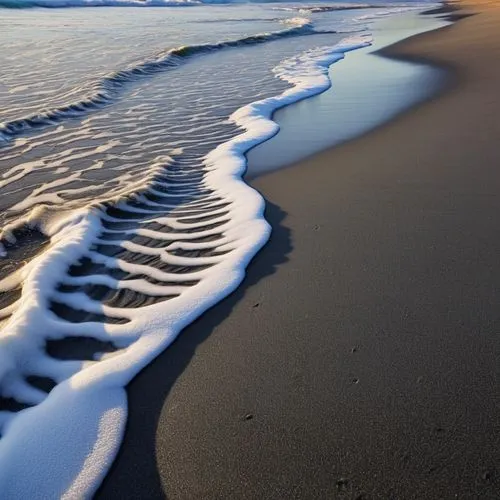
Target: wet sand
360	358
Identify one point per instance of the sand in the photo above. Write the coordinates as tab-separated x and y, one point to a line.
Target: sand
360	359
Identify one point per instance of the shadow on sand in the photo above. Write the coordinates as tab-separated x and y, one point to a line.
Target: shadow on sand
134	473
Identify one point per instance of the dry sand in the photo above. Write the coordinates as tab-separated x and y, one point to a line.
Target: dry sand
360	359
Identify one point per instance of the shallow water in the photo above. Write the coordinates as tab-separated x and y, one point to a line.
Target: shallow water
367	90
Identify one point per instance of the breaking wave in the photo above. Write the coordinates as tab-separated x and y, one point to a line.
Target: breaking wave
108	89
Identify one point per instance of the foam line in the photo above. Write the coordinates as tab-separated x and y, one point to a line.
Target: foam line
89	398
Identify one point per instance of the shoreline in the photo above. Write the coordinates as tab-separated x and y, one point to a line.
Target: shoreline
348	371
306	126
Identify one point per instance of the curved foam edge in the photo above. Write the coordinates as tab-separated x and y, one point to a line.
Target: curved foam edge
63	446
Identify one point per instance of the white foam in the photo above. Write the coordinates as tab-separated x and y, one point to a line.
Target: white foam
63	446
309	8
296	21
400	8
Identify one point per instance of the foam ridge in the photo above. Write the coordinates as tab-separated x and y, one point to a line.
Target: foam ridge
128	275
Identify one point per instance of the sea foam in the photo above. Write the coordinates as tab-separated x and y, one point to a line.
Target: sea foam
207	225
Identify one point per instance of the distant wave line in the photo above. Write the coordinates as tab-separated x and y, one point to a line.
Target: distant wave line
108	88
59	4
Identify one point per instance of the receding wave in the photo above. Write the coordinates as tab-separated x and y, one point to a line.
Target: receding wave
119	281
109	88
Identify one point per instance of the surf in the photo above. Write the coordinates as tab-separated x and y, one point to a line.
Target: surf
129	273
106	90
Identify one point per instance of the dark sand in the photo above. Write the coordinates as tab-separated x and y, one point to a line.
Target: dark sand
360	359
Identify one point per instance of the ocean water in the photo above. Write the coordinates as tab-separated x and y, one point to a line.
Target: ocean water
124	214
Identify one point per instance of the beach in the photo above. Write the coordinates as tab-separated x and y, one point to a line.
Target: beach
359	357
131	205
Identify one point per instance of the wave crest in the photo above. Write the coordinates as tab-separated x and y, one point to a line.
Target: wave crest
108	89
